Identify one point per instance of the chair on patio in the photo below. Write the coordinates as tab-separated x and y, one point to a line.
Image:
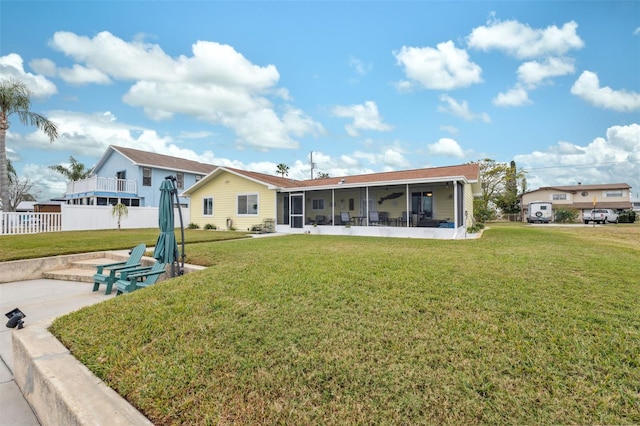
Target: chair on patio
320	219
107	273
132	280
384	218
345	218
404	219
374	218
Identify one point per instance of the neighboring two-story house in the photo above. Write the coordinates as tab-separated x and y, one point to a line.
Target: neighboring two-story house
616	196
133	177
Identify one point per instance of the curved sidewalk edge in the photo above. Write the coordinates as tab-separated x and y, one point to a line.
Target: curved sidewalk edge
59	388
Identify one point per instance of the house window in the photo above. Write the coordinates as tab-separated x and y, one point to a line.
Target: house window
180	180
146	176
317	204
613	193
198	177
559	197
207	206
248	204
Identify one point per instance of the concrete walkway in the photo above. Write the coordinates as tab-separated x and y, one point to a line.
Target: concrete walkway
41	301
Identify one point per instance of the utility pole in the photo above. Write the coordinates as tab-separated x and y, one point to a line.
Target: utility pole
312	165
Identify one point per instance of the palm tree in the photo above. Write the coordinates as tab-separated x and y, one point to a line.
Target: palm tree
283	170
15	99
119	210
74	171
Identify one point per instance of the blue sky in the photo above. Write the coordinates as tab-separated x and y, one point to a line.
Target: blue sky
367	86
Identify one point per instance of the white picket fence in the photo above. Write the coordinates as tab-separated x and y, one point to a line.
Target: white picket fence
82	218
30	223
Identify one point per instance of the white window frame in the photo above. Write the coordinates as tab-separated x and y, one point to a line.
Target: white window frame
559	197
204	206
614	194
249	210
146	176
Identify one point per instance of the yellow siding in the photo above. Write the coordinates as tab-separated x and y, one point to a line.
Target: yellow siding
468	205
224	190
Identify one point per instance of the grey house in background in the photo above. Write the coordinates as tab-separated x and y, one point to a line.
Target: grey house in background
133	177
616	196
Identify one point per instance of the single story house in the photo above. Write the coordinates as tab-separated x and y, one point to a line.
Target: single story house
422	203
133	177
616	196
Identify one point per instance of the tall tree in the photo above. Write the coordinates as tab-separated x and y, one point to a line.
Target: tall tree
496	181
283	169
74	171
322	175
508	201
19	189
15	98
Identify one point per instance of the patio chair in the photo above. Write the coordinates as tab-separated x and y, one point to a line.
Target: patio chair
135	279
374	218
345	218
320	219
106	273
404	219
384	218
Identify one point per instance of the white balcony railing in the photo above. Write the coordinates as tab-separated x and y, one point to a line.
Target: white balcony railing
102	184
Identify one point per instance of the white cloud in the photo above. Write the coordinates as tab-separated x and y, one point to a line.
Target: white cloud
215	84
588	88
446	147
524	42
612	159
450	129
461	109
12	66
534	73
45	67
365	117
636	31
513	97
387	158
360	67
443	68
83	75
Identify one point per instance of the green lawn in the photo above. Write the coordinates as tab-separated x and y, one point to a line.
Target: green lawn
29	246
527	325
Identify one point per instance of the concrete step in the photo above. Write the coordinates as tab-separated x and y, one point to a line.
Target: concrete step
80	270
71	274
93	263
83	270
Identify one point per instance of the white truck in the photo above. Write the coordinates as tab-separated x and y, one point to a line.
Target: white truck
600	216
540	211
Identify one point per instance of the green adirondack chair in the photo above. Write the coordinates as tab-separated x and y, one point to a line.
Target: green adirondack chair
132	280
107	273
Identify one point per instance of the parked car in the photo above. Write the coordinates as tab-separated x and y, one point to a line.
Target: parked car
600	216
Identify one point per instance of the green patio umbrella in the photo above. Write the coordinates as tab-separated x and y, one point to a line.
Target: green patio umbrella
166	250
